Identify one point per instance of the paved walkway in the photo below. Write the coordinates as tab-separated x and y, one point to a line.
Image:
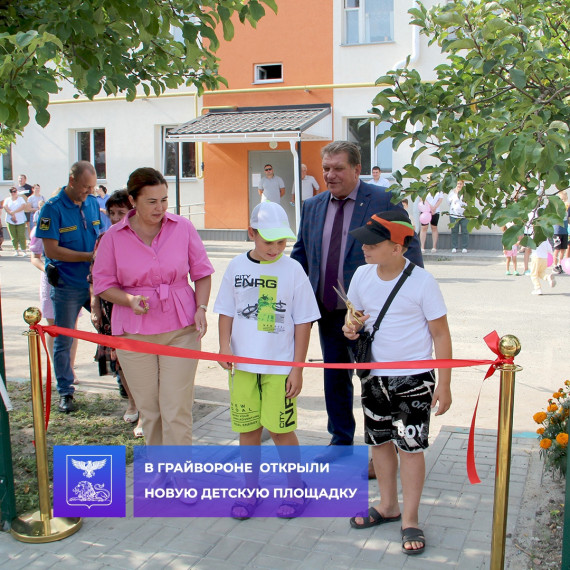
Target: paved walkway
457	516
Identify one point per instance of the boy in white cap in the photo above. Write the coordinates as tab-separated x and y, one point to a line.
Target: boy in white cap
266	306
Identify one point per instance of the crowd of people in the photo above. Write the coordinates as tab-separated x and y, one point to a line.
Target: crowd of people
133	269
20	210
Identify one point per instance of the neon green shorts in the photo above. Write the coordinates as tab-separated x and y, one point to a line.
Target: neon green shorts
259	400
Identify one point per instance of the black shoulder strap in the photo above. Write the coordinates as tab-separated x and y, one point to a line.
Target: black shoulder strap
406	273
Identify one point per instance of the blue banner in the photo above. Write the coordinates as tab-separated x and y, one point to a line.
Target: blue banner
210	481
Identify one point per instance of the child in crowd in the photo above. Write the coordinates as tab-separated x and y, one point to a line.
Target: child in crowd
511	254
117	206
266	306
397	402
527	251
538	267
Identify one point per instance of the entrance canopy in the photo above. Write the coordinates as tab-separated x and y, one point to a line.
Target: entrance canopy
258	124
289	124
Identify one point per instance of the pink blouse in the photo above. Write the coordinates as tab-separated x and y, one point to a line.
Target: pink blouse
159	271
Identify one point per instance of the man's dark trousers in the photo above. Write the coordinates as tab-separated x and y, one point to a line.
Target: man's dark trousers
339	390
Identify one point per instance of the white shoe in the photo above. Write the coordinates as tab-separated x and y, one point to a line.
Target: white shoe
433	250
423	250
21	254
16	253
551	280
454	250
463	250
536	292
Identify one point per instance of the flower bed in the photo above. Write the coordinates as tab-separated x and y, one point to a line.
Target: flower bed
553	430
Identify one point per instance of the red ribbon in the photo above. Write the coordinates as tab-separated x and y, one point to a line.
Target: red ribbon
492	341
151	348
47	398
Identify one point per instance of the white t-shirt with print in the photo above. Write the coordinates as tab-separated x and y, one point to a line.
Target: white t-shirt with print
403	333
456	205
266	301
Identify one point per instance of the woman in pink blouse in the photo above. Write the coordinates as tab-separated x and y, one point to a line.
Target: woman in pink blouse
142	267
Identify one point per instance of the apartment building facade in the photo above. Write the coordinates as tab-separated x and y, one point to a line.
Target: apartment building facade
301	78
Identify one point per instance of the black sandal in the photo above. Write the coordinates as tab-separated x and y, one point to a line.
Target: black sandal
249	507
297	506
412	534
376	517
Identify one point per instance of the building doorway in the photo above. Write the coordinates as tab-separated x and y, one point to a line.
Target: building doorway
282	162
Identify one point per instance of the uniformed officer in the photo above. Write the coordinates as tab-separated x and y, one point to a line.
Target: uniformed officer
69	224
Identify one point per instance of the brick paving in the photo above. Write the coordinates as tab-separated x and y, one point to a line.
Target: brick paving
456	516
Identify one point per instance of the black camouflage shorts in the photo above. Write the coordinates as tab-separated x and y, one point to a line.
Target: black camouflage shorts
398	409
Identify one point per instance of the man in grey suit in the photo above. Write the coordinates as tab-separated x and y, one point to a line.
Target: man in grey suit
328	253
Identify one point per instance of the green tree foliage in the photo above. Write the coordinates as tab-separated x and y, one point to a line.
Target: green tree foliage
497	114
114	46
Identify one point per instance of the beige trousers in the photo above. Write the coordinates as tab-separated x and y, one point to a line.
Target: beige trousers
538	267
163	386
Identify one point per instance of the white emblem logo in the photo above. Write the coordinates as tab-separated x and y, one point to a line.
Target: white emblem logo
89	467
96	488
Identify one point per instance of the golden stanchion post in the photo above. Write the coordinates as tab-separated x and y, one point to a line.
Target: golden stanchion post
40	526
509	346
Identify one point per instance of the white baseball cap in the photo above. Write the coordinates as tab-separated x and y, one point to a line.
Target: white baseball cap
271	221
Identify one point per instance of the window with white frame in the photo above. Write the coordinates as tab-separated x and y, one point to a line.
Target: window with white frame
91	147
368	21
187	164
6	171
364	133
268	73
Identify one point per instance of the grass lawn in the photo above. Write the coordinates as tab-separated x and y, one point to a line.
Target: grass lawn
98	421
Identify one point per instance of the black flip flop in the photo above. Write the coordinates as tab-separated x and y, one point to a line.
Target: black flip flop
376	517
412	534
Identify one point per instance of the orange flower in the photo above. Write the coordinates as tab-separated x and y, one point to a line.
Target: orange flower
552	408
557	395
539	417
540	431
562	439
545	443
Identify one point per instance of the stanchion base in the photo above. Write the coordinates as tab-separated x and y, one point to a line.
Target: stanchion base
30	528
